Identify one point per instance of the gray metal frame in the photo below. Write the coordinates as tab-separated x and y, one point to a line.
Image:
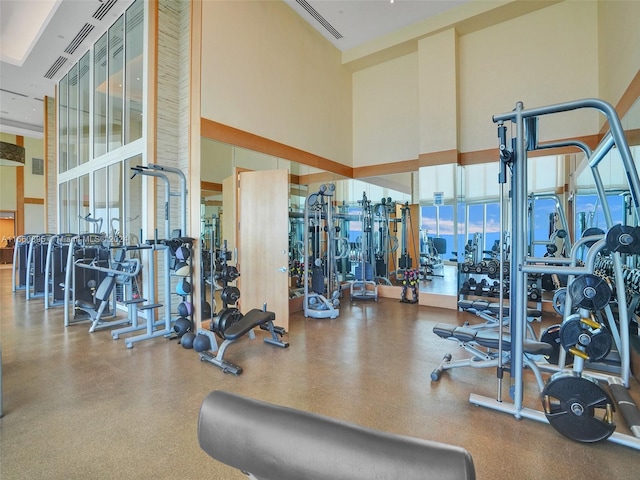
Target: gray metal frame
521	265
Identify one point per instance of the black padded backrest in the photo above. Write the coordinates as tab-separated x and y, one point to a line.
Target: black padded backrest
278	443
440	244
104	289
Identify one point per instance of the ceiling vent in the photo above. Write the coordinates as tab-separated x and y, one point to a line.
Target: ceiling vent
102	11
79	38
13	93
55	67
323	21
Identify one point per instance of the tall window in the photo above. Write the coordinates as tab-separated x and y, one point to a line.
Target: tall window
73	117
134	72
115	87
100	109
100	97
63	134
84	96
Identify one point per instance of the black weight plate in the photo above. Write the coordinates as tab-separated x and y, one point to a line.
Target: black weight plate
571	403
589	291
559	300
600	345
570	332
551	335
590	232
623	239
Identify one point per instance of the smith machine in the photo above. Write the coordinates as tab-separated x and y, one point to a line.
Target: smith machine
574	401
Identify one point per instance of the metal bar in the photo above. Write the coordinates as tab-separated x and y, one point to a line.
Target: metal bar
519	252
531	414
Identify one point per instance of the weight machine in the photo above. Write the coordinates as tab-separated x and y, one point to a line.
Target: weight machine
321	285
57	251
364	287
571	399
162	328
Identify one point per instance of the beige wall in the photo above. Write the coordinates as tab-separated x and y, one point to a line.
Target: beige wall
386	112
546	57
618	47
267	72
456	83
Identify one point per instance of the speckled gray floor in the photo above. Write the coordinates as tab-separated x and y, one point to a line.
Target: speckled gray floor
80	405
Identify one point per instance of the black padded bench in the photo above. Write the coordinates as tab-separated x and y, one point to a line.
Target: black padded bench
271	442
252	319
488	338
476	306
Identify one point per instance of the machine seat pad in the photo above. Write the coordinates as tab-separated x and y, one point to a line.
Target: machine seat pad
495	309
85	305
463	334
465	304
253	318
278	443
489	339
480	305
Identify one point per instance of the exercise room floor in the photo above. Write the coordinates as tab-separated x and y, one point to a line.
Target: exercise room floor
80	405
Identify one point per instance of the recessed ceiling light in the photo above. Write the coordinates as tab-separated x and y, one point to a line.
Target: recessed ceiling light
34	109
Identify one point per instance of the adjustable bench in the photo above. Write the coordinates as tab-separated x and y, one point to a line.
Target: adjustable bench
483	345
489	313
270	442
253	318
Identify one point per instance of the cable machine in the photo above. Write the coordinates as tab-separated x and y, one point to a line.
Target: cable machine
572	399
364	287
321	285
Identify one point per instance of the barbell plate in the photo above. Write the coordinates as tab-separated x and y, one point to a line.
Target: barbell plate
571	404
623	239
589	291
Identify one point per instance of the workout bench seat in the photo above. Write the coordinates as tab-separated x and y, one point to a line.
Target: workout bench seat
488	338
271	442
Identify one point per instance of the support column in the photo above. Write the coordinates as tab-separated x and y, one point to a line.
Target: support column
438	96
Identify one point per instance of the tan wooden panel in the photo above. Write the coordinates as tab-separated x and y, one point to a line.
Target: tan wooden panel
263	242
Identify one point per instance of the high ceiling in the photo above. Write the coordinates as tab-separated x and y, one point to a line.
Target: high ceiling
41	39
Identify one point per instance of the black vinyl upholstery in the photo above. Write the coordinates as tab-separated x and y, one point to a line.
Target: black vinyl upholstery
279	443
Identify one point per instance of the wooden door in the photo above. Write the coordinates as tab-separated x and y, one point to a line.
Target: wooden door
263	249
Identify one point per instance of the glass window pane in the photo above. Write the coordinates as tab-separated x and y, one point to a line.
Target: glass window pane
116	89
73	117
462	222
84	98
100	97
445	228
84	196
100	195
133	205
64	208
114	200
73	205
492	227
63	101
134	71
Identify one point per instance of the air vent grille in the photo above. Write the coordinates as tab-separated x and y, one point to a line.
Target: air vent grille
13	93
323	21
102	11
79	38
55	67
